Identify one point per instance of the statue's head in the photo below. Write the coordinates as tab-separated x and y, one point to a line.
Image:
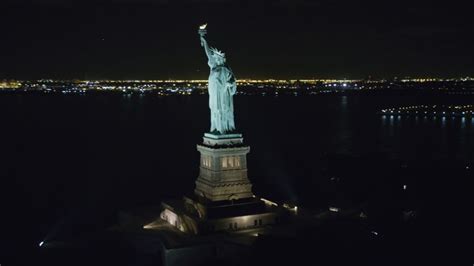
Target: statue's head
218	56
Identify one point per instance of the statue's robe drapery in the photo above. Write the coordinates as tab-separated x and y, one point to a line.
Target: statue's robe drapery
222	87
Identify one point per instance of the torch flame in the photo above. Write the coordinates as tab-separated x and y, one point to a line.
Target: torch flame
203	27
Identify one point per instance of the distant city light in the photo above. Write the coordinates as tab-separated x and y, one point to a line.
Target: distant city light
262	87
464	111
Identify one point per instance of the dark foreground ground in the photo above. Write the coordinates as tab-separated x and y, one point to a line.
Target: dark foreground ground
379	223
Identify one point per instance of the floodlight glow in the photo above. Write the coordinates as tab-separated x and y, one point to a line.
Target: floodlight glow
268	202
289	207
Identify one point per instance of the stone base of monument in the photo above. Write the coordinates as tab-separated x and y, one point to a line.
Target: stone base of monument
221	219
197	215
223	198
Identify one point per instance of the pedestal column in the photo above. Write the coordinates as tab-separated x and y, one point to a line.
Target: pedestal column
223	168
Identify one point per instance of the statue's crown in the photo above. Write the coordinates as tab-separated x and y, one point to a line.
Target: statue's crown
217	52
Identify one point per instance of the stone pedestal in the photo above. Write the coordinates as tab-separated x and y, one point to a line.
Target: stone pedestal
223	198
223	168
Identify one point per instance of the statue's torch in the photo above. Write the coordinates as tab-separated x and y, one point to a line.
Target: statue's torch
202	30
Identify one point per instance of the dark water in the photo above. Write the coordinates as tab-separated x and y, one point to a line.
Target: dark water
69	162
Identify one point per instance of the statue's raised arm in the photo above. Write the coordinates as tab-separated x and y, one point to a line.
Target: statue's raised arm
205	45
222	87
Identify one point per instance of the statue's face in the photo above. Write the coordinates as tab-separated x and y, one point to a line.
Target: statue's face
219	59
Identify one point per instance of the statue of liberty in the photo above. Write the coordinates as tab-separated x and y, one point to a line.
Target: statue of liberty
221	88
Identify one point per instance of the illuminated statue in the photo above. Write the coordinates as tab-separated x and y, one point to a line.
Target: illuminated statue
222	87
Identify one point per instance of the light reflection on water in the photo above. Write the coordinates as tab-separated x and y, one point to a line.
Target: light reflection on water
344	101
436	136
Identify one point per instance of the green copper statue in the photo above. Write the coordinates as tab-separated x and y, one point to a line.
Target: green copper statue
222	87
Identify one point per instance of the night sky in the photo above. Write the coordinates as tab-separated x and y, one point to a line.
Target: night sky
157	39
